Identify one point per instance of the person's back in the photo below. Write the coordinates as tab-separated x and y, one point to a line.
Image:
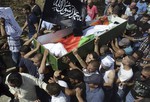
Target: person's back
54	90
23	86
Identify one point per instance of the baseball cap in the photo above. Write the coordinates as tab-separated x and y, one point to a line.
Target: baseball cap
108	62
124	42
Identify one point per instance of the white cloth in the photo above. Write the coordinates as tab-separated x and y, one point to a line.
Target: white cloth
97	30
11	26
62	83
57	49
108	62
105	76
124	75
86	73
47	25
128	11
60	98
27	92
88	18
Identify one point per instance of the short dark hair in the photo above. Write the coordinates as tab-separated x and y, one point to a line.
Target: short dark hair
25	49
106	48
139	53
146	15
76	74
15	78
147	69
132	61
53	88
27	7
39	56
95	63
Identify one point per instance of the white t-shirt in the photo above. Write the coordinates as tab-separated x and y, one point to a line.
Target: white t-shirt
124	75
86	73
60	98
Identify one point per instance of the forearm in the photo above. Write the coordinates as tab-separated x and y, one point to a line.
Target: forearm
30	53
83	64
96	49
3	32
42	68
25	25
28	41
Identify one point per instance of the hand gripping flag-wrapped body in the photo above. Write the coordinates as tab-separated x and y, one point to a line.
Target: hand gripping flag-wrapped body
67	13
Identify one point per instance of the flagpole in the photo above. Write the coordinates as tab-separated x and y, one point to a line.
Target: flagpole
40	22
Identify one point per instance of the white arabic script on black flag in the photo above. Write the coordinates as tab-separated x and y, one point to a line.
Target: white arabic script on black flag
64	8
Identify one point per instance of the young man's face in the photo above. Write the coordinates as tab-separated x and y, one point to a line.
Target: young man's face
90	68
145	75
89	58
125	60
24	11
144	19
36	61
133	11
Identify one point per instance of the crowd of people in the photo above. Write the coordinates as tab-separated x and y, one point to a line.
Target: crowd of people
118	71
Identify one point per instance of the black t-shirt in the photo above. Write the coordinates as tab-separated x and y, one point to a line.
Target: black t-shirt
141	88
83	87
36	10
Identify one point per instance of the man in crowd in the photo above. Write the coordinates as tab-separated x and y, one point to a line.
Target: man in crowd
31	21
22	86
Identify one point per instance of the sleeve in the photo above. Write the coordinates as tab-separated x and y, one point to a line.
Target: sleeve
96	10
36	81
34	19
145	7
21	63
11	89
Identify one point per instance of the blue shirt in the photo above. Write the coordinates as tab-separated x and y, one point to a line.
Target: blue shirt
96	95
128	50
31	68
142	7
31	20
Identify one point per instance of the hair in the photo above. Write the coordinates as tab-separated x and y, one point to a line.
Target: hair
135	8
53	88
39	56
106	48
95	63
27	7
25	49
76	74
147	69
139	53
132	61
15	78
146	15
95	55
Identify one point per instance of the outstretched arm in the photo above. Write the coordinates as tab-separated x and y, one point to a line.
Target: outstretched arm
32	51
96	48
43	68
83	64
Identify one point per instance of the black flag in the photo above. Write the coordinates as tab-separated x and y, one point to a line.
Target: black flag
67	13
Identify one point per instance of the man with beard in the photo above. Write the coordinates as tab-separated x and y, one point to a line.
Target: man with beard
141	88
